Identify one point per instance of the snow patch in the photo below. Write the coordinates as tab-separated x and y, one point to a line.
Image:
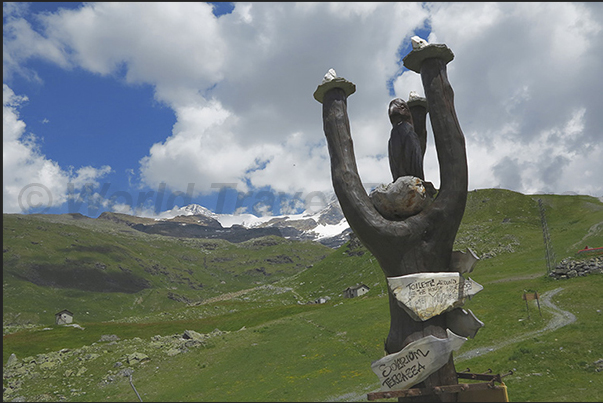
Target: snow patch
246	220
327	231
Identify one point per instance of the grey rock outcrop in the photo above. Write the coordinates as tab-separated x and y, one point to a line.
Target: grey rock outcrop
12	360
136	358
108	337
192	335
569	268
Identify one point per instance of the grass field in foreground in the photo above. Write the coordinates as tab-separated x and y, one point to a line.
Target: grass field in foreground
323	353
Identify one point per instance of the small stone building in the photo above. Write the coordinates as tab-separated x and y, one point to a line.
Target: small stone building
355	291
64	317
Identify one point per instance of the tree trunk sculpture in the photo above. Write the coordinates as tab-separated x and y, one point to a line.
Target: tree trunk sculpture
422	242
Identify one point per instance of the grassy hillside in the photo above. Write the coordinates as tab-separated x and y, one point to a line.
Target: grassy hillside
271	346
102	270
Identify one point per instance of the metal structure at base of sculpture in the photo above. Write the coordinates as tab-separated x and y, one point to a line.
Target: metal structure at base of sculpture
485	390
410	227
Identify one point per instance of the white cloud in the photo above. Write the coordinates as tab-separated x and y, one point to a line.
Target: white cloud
201	150
21	42
296	165
526	91
14	9
548	162
258	66
174	46
241	85
32	182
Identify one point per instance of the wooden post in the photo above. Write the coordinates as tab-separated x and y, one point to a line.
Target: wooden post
538	302
528	297
525	297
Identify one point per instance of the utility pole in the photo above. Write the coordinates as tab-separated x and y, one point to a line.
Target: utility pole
548	246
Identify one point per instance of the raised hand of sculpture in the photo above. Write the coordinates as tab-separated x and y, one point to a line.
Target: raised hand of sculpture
420	243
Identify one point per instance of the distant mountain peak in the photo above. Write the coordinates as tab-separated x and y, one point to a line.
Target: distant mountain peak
191	209
196	209
327	225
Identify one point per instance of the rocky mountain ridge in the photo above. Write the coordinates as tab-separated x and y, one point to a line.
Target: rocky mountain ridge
327	226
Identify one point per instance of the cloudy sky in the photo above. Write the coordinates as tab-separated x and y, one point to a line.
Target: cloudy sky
137	107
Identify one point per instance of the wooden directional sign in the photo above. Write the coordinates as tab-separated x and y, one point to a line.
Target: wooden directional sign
425	295
415	362
529	296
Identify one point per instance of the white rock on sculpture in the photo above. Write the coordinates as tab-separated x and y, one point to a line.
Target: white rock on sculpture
414	96
404	197
418	42
331	74
329	81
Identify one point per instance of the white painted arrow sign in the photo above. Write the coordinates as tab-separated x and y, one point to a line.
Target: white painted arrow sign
415	362
425	295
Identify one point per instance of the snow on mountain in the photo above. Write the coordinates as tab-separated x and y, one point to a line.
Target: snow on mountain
245	220
327	226
191	209
331	230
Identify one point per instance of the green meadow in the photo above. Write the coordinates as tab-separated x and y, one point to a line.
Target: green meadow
261	339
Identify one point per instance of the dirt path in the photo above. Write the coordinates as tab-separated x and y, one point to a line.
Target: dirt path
226	296
560	318
517	278
231	295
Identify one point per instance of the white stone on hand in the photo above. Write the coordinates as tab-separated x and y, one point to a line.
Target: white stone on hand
331	74
414	96
329	81
418	42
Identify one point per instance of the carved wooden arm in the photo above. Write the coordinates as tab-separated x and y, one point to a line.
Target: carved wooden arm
450	146
372	229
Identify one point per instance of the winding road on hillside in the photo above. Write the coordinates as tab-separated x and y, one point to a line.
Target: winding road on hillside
560	318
